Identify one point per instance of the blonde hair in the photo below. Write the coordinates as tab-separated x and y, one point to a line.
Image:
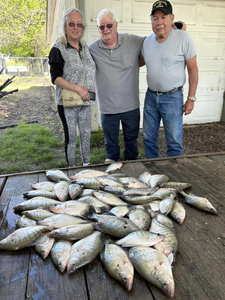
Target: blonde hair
63	38
105	12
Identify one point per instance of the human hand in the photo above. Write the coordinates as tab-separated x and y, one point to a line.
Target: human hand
83	92
188	107
184	26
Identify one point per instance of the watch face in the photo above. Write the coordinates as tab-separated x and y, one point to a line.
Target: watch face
192	98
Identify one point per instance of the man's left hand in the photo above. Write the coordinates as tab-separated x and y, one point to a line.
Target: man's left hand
188	107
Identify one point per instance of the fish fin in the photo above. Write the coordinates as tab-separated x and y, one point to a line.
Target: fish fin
171	258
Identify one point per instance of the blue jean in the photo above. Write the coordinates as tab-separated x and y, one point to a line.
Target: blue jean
169	108
130	124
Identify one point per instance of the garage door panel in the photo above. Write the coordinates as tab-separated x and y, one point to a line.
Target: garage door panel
215	13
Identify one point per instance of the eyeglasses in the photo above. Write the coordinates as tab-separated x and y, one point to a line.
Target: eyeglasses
102	27
72	24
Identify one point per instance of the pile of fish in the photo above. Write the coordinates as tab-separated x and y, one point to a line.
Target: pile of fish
127	220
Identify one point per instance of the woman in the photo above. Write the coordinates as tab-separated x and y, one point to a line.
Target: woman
66	68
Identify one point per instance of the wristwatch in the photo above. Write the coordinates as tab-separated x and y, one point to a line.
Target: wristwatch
192	98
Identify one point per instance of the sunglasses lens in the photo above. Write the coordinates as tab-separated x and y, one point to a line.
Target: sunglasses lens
102	27
72	24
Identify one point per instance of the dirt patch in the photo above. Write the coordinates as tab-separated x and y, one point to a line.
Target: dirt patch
37	104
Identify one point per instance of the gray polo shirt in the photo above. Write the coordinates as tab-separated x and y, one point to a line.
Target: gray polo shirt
117	74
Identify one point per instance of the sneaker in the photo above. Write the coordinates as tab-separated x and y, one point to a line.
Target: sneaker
109	161
86	164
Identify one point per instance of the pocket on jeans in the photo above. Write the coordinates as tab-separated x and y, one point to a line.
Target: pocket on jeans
177	95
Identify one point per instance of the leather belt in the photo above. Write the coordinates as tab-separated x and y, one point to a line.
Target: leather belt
169	92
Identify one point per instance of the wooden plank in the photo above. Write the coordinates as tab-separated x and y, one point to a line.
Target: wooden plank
218	158
2	183
14	264
196	233
102	286
46	282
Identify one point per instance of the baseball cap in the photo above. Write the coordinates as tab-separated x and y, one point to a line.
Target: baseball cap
164	6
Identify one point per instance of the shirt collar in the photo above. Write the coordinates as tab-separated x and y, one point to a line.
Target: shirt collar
68	45
120	41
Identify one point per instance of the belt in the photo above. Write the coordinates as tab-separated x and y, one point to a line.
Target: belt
169	92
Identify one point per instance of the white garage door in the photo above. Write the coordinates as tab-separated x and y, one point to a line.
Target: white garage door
206	24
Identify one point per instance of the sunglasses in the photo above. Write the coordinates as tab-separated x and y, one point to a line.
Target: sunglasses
72	24
102	27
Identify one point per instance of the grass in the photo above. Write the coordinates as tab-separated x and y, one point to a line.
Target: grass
30	147
27	147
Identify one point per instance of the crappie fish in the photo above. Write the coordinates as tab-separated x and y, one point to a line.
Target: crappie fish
140	192
43	245
199	202
105	180
153	205
84	251
72	232
99	206
61	190
167	204
140	199
178	212
154	267
158	180
34	203
118	265
86	192
145	177
120	210
22	237
140	217
44	185
89	182
57	175
140	238
163	219
113	167
108	198
87	173
114	226
172	184
60	254
37	214
24	222
116	190
73	208
118	175
133	182
40	193
163	192
61	220
75	190
170	243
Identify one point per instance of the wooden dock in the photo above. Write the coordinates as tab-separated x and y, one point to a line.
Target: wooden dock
199	270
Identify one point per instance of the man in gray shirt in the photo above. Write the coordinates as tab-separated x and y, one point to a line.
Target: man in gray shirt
117	58
166	53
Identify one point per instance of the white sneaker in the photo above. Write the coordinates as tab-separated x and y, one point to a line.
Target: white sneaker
86	164
109	161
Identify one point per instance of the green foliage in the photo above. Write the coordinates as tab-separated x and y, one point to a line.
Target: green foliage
23	28
28	145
